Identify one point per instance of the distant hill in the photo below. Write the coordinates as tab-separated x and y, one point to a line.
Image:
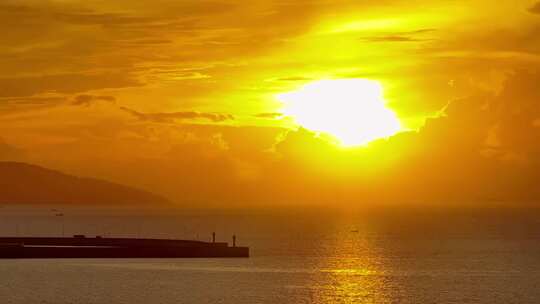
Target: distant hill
22	183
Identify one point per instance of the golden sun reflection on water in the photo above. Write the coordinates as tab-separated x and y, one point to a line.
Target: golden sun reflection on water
353	271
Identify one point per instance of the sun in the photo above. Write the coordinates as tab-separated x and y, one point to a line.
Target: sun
353	111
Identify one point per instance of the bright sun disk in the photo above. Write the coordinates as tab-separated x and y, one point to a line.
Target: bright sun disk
351	110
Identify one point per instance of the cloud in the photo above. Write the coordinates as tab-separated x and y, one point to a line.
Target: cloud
87	100
485	146
62	83
33	100
173	116
150	41
392	39
484	149
294	78
108	19
408	36
535	9
517	108
269	115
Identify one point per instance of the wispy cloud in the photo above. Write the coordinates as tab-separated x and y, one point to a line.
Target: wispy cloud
174	116
269	115
535	9
86	100
408	36
62	83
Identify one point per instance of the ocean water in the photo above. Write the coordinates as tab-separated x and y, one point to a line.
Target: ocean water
298	256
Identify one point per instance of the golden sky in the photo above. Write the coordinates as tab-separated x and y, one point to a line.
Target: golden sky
182	98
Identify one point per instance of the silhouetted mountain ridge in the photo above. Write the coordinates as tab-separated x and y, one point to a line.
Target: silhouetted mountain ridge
22	183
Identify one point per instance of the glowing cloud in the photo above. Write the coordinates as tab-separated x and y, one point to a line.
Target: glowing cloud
351	110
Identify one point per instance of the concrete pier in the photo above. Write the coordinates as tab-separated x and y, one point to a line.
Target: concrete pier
98	247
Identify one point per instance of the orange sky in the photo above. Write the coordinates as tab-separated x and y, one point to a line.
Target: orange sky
179	97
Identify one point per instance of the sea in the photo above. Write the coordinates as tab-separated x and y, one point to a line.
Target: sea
298	255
